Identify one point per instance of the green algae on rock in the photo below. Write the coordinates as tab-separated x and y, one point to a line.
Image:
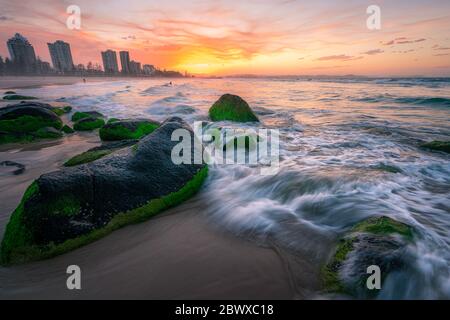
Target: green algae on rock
66	209
86	114
66	129
376	241
127	129
98	152
233	108
89	123
443	146
23	122
62	110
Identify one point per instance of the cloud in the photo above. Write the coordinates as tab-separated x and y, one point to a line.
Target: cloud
5	18
373	52
340	57
437	47
402	40
441	54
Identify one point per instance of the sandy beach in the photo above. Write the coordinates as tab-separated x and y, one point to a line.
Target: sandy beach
176	255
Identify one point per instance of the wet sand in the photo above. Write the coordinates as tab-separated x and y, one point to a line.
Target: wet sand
175	255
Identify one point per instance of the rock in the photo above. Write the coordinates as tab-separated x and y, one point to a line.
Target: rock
127	129
66	209
232	108
9	92
87	124
20	167
377	241
443	146
61	110
111	120
58	110
48	133
18	97
86	114
98	152
20	123
66	129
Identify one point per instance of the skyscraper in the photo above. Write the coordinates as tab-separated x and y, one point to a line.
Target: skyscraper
135	67
125	61
61	56
109	58
21	52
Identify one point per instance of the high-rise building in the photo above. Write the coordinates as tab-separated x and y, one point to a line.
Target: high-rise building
148	69
135	67
125	61
109	58
21	52
61	56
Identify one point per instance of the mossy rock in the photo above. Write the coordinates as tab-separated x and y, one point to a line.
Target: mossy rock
232	108
86	114
18	97
443	146
48	133
62	110
66	209
127	129
88	124
9	92
111	120
66	129
98	152
22	122
377	241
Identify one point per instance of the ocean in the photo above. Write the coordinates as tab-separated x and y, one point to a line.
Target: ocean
349	150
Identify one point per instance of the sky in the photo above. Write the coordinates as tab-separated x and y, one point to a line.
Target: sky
262	37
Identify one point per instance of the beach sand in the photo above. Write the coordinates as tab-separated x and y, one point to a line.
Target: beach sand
175	255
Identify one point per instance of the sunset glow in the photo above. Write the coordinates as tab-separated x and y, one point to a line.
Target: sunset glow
246	37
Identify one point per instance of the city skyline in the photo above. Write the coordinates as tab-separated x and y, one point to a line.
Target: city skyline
254	37
23	60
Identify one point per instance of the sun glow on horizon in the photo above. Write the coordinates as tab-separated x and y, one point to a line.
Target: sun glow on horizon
255	37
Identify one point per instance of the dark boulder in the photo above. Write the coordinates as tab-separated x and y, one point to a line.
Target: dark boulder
65	209
127	129
18	97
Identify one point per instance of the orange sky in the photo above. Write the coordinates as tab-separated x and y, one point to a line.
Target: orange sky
245	37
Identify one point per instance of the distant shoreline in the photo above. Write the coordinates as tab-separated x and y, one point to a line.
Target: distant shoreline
21	82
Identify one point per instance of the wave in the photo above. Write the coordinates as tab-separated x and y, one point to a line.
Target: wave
425	101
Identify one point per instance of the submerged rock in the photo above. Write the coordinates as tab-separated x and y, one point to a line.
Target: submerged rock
20	168
379	241
233	108
98	152
65	209
127	129
18	97
23	122
443	146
